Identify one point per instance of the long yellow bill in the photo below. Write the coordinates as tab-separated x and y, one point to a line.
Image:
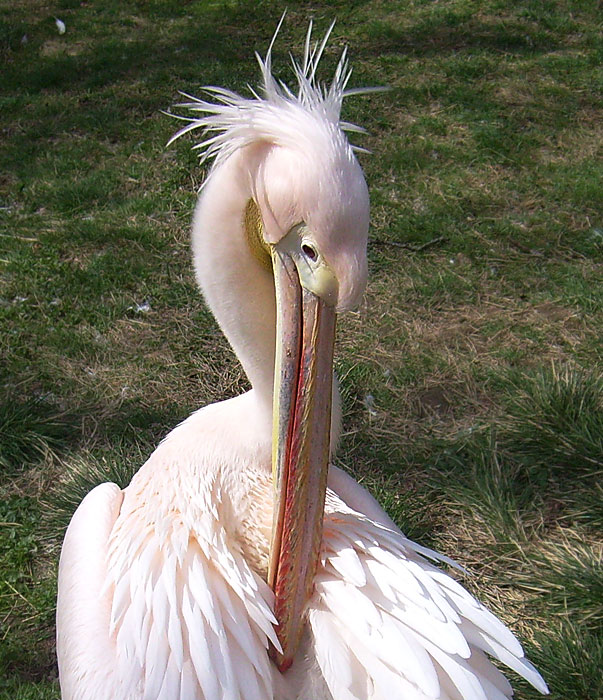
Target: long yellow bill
300	454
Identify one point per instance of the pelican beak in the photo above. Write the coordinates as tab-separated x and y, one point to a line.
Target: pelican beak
305	336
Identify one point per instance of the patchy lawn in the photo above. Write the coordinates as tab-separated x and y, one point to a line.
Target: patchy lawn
471	372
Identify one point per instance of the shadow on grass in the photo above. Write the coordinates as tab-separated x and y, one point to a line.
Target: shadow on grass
30	430
201	40
35	428
446	31
105	74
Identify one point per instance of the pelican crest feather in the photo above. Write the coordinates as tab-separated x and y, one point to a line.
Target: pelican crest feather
274	112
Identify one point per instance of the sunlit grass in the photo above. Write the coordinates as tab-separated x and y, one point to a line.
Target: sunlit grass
472	389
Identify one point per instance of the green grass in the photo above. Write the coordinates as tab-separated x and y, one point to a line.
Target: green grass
471	373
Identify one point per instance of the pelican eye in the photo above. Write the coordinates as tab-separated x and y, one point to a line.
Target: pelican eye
309	251
314	272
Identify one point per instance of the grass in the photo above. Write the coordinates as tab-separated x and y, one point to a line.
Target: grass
471	373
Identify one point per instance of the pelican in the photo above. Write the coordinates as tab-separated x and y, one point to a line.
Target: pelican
237	565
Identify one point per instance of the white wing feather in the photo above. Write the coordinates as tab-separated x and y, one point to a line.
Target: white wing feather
190	618
382	608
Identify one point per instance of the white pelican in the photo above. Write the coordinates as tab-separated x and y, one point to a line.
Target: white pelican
164	587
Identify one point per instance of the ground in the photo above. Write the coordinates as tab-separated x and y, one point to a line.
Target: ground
470	373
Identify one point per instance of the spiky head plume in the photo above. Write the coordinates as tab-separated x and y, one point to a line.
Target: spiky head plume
276	115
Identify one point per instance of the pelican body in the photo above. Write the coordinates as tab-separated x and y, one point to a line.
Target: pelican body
237	565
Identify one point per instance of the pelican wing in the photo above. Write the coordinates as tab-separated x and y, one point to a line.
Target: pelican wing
387	623
189	617
84	651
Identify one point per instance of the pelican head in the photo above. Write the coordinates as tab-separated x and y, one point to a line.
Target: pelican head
305	215
313	197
